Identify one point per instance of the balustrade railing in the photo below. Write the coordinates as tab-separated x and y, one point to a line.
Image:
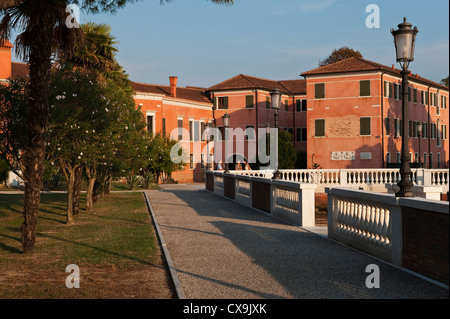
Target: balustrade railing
367	179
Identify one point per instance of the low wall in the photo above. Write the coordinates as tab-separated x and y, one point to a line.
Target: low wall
291	201
409	232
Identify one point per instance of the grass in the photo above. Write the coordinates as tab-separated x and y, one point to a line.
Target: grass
114	246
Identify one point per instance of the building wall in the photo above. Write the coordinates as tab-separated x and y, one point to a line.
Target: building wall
259	115
160	109
344	109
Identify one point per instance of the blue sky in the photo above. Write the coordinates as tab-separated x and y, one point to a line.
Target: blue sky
204	44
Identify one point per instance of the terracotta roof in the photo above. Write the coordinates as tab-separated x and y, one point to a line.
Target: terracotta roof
355	64
19	70
243	81
189	94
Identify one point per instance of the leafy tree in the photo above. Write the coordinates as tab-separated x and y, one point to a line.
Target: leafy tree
287	156
340	54
42	27
159	161
445	81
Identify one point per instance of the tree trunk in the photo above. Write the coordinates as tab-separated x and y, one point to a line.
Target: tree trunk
39	65
70	185
91	173
77	190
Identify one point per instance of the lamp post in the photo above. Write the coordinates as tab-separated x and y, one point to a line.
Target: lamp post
404	40
419	133
276	101
226	124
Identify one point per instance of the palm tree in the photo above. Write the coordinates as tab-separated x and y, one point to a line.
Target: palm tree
42	23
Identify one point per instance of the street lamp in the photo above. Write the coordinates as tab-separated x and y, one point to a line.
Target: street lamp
404	40
419	133
276	101
226	124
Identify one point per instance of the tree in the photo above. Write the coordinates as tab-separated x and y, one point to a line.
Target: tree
445	81
340	54
287	156
42	27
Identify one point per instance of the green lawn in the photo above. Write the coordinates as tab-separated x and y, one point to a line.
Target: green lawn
114	246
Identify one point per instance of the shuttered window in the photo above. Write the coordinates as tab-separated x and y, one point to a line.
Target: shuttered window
267	102
320	128
364	88
286	105
364	124
222	102
249	104
180	129
319	90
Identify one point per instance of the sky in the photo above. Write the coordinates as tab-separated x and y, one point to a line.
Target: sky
204	44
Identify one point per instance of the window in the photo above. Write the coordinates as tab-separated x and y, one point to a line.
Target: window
301	134
433	131
319	90
444	132
424	130
191	161
191	130
202	160
319	128
409	94
222	102
364	126
410	129
387	126
249	104
443	101
301	105
202	130
286	105
267	102
415	133
431	160
180	129
415	96
439	160
151	123
398	158
416	157
398	127
425	160
388	157
364	88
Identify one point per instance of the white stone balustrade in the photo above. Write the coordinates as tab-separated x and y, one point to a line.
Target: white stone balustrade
367	179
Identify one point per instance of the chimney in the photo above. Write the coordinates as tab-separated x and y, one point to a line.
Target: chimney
173	86
5	59
393	66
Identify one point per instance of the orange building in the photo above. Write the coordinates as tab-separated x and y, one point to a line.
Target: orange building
180	113
247	100
344	115
355	111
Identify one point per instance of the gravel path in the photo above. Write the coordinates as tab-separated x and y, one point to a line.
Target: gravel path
223	250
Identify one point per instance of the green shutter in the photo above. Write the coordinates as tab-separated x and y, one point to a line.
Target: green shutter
319	128
249	101
364	124
364	88
225	102
319	90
